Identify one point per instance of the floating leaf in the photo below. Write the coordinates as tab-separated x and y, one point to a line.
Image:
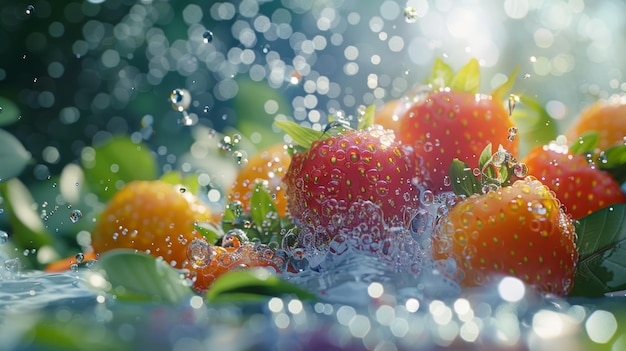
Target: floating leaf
602	252
136	276
9	112
117	160
252	285
467	78
13	156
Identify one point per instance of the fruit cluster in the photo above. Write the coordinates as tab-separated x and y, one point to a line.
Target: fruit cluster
369	181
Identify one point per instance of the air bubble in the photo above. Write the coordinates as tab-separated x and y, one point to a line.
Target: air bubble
520	170
207	37
75	216
4	237
80	257
513	100
30	9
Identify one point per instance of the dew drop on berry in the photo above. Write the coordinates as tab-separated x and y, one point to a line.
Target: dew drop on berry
75	216
427	198
447	181
200	253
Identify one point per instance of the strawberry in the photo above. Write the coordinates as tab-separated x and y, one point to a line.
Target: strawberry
518	230
580	185
352	166
268	166
450	120
607	117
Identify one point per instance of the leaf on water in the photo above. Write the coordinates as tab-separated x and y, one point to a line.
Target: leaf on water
252	285
136	276
9	112
602	252
117	160
13	156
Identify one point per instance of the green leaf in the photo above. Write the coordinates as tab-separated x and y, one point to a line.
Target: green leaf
303	136
586	143
499	92
13	156
209	231
252	285
535	126
190	182
262	204
29	231
613	160
467	79
602	252
136	276
117	160
367	119
9	112
463	180
249	105
441	75
485	156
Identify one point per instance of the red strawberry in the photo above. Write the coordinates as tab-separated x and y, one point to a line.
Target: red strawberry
453	121
518	230
347	168
578	183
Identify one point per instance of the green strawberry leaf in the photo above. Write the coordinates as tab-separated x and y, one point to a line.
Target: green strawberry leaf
467	79
485	156
367	119
602	252
499	92
441	75
136	276
13	156
535	126
613	160
462	179
303	136
252	285
117	161
209	231
586	143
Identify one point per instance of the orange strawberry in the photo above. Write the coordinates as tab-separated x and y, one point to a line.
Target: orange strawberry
607	118
268	166
518	230
151	216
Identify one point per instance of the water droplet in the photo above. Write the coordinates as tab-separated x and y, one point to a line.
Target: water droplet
527	75
180	99
207	37
75	216
520	170
240	157
4	237
266	48
80	257
410	14
30	9
513	100
200	253
428	198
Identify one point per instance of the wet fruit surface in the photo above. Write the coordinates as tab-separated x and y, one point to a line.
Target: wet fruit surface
150	216
606	117
519	230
